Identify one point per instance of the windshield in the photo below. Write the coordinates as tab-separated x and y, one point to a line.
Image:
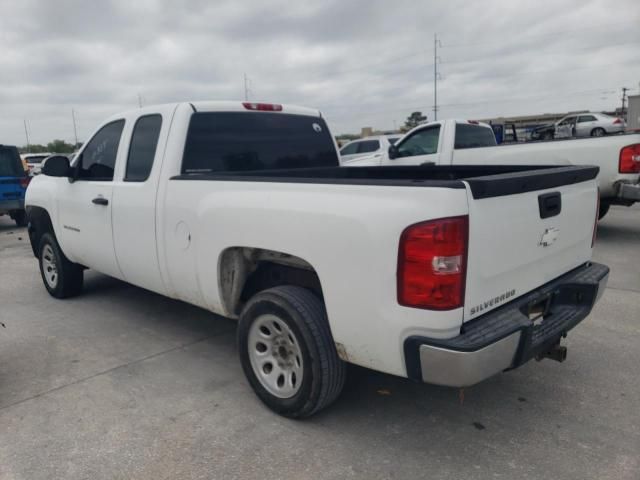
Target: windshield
239	141
10	165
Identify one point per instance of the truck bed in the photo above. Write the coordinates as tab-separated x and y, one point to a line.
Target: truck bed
484	180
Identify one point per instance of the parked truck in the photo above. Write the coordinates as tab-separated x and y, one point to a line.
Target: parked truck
13	184
461	142
442	274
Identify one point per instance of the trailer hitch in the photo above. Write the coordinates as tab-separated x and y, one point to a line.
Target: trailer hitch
557	352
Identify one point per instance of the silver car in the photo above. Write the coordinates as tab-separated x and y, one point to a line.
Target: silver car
588	125
367	146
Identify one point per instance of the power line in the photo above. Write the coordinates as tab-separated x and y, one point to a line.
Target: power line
562	34
465	104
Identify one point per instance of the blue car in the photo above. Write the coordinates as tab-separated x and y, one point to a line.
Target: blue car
13	184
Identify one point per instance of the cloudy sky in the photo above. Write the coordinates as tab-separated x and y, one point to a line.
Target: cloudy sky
364	63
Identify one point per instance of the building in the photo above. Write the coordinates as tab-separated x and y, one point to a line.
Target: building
633	112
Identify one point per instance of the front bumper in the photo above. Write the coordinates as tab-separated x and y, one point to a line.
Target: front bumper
507	337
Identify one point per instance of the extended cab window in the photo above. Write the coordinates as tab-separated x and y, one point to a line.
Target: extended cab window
368	146
98	159
142	149
473	136
239	141
422	142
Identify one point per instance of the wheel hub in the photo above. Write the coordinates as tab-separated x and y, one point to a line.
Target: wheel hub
275	355
49	266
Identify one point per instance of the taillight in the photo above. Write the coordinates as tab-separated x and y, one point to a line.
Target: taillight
432	261
24	182
265	107
630	159
617	121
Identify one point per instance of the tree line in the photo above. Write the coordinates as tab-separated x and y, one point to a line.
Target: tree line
55	146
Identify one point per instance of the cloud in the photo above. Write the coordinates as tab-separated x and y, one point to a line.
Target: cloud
364	63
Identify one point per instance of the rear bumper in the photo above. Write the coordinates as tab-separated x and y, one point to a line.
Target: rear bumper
506	337
7	206
629	191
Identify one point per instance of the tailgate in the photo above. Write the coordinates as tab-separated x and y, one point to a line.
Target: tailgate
10	189
525	229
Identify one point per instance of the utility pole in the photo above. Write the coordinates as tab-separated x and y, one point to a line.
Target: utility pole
75	131
624	99
436	43
139	101
26	132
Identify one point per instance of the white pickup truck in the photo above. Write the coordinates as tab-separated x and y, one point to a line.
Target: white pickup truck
442	274
461	142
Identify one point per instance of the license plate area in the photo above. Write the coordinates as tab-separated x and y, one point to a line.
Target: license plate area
539	309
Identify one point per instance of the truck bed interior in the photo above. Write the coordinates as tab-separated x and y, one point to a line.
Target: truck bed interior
484	180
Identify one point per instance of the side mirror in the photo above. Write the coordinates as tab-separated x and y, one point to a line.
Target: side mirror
56	166
393	152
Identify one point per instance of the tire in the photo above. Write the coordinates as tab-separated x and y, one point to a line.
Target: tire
598	132
20	217
604	209
299	344
61	277
547	136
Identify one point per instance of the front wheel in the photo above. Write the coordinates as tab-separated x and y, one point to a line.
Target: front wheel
61	277
287	351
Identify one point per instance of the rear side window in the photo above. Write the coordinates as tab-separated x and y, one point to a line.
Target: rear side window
98	159
473	136
368	146
239	141
350	149
10	164
586	118
142	149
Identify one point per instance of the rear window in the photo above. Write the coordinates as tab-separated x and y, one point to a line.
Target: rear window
473	136
10	164
238	141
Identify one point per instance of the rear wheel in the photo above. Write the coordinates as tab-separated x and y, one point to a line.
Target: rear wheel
61	277
20	217
598	132
287	351
547	136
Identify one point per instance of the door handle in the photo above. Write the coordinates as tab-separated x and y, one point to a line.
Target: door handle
100	201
